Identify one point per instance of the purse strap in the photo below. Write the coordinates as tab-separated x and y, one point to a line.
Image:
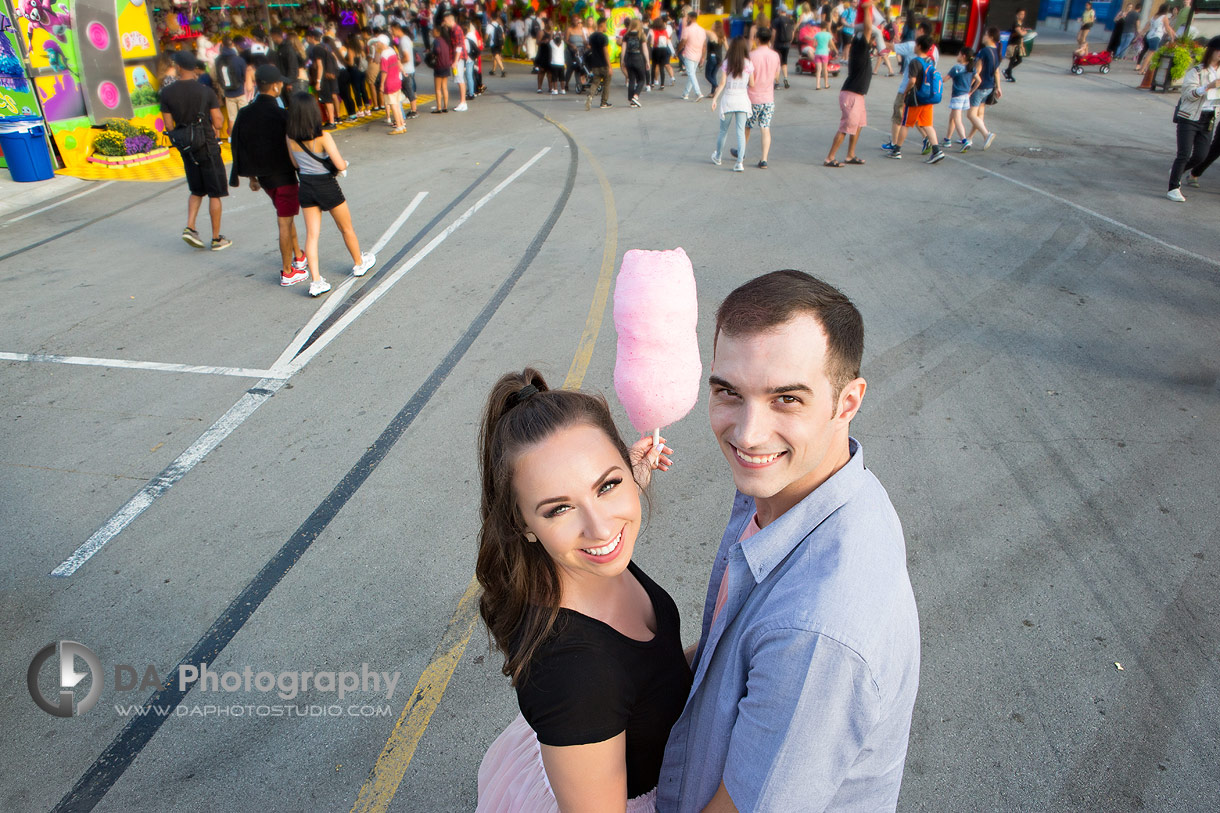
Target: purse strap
326	162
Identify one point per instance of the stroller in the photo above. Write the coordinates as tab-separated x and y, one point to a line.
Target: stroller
1102	58
805	65
579	69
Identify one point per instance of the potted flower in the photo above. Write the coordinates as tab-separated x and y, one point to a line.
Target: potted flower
1178	57
122	143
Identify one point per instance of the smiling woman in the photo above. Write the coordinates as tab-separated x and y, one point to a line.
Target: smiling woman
571	613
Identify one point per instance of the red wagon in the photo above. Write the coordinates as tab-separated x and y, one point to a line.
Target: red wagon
1100	58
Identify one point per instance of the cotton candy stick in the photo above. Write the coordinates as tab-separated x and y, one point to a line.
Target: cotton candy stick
657	373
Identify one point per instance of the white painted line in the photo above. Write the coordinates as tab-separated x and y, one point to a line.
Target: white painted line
259	393
1085	210
88	191
129	364
384	287
175	471
335	298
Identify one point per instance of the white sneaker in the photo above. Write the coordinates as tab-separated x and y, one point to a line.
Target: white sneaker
367	261
685	97
554	93
738	167
461	108
318	287
699	98
1176	195
987	141
716	158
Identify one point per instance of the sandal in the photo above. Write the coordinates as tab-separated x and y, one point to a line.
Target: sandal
832	163
854	160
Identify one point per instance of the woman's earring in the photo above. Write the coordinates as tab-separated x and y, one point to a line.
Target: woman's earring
529	537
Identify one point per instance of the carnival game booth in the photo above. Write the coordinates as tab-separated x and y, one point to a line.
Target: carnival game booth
89	63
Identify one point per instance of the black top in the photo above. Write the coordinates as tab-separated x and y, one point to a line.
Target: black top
259	148
588	683
859	71
597	56
289	61
186	99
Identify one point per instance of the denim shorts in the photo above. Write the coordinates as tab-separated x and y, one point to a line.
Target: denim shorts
980	96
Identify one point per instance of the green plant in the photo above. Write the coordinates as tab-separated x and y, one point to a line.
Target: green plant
111	143
143	95
1183	54
122	126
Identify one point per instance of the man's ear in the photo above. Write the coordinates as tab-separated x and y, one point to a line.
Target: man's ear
850	399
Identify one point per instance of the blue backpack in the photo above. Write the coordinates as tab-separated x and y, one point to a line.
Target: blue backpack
929	90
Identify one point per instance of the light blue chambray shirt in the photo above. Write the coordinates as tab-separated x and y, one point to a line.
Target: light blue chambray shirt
805	685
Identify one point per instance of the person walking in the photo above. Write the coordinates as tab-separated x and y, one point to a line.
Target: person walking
405	44
782	30
853	113
390	76
693	48
960	78
733	97
807	664
316	156
1158	32
715	54
599	65
494	36
187	105
1016	44
235	78
1195	117
1131	24
634	61
576	44
906	54
441	57
762	91
659	57
984	85
1087	18
260	153
823	46
919	105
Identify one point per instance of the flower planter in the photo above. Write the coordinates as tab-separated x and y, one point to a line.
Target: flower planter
129	160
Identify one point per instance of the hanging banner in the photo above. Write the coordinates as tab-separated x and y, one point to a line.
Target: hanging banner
46	28
17	96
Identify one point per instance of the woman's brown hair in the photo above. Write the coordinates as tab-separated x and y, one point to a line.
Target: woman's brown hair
521	589
736	60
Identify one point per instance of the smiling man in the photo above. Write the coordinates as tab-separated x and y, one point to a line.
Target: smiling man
808	662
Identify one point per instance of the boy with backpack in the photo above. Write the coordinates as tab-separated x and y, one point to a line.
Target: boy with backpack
924	92
235	79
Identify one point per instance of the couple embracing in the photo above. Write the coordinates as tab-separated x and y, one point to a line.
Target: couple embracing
799	693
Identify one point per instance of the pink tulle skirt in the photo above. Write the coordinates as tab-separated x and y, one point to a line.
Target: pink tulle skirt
512	778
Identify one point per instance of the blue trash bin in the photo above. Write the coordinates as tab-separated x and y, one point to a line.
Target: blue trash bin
738	27
1003	43
23	140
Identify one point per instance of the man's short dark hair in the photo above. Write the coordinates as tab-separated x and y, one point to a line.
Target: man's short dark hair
764	303
994	33
692	16
923	43
601	20
925	27
763	35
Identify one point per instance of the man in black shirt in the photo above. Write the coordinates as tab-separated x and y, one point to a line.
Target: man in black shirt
781	28
260	153
287	59
326	86
182	103
855	88
599	64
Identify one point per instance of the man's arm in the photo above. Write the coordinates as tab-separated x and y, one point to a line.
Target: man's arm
798	731
867	15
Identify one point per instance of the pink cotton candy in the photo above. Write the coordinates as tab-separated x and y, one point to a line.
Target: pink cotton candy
658	373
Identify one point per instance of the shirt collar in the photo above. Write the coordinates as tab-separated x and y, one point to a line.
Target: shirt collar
770	546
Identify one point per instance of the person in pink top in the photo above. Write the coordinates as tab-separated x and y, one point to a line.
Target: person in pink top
762	93
391	87
694	53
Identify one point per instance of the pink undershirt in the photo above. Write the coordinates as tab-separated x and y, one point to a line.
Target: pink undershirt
723	594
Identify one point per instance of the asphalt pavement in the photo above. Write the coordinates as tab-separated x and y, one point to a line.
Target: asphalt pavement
1041	334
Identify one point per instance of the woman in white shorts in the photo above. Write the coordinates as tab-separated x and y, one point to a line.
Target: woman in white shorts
960	76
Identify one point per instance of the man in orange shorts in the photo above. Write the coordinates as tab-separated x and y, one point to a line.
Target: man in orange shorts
916	114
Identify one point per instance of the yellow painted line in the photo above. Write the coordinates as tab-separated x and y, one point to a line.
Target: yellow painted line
383	780
597	308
